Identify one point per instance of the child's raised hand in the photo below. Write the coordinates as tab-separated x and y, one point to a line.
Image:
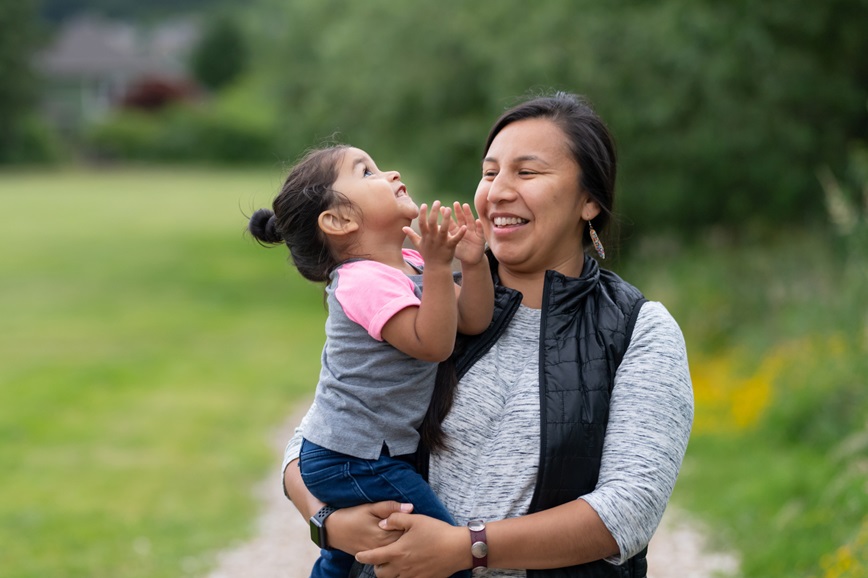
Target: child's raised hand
437	240
471	248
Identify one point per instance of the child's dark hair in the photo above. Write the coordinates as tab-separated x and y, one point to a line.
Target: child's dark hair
305	194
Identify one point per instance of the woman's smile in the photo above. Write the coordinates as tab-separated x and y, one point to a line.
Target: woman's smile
508	222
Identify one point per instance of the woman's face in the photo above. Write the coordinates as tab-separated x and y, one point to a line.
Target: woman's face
529	199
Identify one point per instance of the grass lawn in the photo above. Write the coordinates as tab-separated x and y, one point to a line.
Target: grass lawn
148	348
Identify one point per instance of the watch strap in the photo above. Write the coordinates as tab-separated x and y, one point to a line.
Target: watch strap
317	526
478	544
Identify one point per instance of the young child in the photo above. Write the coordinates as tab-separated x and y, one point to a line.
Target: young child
345	222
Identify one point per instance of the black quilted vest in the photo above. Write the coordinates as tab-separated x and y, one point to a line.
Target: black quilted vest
585	329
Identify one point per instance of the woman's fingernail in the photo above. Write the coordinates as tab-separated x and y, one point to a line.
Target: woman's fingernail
383	523
406	507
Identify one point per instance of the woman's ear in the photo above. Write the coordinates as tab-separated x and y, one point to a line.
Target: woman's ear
590	210
335	222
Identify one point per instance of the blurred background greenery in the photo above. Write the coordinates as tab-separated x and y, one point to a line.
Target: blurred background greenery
148	347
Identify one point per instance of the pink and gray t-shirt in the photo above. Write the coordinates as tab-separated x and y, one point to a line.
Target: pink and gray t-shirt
369	393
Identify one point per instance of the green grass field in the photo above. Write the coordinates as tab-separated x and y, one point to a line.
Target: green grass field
148	348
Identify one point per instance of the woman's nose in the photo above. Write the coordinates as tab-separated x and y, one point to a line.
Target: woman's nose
500	189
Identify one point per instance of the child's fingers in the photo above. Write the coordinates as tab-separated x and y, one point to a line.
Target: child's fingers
443	228
423	218
433	215
446	212
455	237
413	236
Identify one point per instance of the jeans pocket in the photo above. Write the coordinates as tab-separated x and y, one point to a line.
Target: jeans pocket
313	473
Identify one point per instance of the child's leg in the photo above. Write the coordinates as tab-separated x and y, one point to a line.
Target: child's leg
343	481
392	478
332	564
324	475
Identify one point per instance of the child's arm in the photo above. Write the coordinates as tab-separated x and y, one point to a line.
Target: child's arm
427	332
476	294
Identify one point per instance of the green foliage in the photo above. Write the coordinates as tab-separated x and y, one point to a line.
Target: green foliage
148	350
32	141
21	140
221	55
219	132
794	479
723	111
127	135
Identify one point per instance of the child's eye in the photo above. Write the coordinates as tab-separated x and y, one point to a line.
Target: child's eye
367	172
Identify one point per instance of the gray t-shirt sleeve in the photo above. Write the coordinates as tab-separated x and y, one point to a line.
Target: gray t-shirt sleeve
649	425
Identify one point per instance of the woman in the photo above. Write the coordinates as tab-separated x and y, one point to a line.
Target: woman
570	415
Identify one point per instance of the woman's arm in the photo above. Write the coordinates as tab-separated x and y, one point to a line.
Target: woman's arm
649	426
476	294
566	535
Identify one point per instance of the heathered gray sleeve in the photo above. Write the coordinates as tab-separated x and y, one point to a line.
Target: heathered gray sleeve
649	425
293	448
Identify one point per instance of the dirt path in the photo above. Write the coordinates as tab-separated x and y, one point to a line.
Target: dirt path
282	547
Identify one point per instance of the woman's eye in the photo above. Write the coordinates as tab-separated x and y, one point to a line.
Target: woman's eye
525	173
489	173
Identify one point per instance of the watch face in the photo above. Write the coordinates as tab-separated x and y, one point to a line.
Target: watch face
316	533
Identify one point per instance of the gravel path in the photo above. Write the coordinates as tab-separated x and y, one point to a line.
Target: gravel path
282	548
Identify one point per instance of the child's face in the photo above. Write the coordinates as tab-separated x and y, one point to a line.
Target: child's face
380	197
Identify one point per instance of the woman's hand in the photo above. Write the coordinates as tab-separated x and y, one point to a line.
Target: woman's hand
428	548
471	248
358	528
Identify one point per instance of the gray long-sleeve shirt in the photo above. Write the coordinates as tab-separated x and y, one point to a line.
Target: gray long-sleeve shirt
489	471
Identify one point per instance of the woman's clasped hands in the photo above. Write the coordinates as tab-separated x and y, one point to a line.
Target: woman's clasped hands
427	548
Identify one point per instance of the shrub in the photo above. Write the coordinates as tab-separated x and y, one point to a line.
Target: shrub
183	133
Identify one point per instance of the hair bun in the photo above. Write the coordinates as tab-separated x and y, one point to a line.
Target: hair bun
263	227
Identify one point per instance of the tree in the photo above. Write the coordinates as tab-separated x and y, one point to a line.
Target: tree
221	55
17	85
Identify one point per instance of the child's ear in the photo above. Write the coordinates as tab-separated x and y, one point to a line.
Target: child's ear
337	222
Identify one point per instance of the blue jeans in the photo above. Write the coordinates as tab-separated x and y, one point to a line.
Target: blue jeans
342	481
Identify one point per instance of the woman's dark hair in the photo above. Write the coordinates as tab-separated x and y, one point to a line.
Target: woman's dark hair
589	140
305	194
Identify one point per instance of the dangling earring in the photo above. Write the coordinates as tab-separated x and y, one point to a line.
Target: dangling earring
595	239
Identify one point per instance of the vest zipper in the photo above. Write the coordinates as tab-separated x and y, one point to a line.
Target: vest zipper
543	441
